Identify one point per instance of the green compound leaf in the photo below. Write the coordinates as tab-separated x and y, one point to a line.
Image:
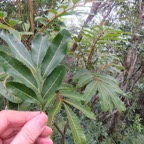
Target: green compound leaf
65	86
50	101
105	86
84	80
81	73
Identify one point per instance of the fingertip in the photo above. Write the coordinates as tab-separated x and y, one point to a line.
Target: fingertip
42	119
46	132
41	140
50	141
49	129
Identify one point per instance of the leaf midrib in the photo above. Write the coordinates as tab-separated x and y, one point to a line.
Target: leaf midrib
54	113
73	124
78	107
24	93
53	83
39	52
20	74
53	56
90	91
20	53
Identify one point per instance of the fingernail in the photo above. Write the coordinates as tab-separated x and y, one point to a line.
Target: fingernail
42	119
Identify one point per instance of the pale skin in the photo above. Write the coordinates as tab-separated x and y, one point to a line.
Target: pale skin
24	128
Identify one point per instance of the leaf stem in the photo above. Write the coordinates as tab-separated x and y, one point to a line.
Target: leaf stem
6	22
40	85
92	49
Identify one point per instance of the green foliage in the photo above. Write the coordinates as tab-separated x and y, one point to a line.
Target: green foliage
137	139
3	14
78	134
100	76
105	85
37	75
25	68
137	125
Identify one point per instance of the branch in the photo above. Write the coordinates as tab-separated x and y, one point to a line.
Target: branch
115	111
131	58
140	17
30	5
20	12
107	14
94	10
6	23
58	129
92	50
65	128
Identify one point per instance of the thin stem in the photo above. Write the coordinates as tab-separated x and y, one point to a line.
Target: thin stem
20	12
6	22
65	128
92	49
30	5
59	130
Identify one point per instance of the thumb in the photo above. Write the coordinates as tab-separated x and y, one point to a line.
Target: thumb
31	130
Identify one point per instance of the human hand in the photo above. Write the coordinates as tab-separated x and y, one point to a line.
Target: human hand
24	128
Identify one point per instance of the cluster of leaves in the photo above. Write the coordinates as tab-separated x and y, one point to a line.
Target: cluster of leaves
32	74
105	85
33	77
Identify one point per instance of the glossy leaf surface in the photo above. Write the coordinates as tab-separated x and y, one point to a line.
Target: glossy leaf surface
53	111
105	86
8	96
23	92
16	69
82	108
56	52
53	82
18	49
39	47
77	132
71	94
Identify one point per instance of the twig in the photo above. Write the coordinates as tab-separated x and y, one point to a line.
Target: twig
105	17
94	9
92	50
65	128
20	12
57	127
30	5
115	111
